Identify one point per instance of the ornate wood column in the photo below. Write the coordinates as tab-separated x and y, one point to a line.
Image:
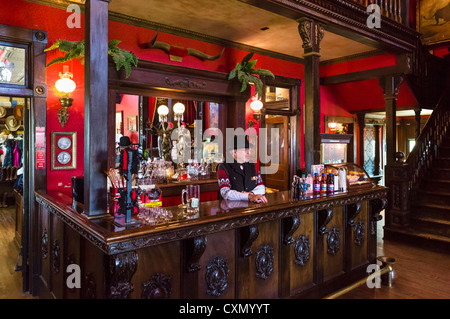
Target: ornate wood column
376	169
360	117
417	120
311	33
96	107
390	85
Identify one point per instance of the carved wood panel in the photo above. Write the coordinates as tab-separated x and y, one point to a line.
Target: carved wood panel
358	233
71	256
298	255
44	251
216	276
333	248
158	272
258	273
56	254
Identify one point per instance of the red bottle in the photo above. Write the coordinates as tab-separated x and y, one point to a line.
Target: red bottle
323	184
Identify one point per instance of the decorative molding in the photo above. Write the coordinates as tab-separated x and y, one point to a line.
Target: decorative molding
152	239
216	276
250	233
121	269
159	286
185	83
264	261
197	247
302	249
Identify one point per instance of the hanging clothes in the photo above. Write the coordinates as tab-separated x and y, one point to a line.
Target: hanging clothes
9	159
16	155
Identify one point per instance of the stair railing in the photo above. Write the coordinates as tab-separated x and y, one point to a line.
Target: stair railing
426	148
404	177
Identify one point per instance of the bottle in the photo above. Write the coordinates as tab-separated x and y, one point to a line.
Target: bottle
316	184
299	187
304	185
294	187
309	185
323	184
330	184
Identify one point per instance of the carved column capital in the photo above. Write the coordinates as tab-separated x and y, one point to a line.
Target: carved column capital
311	33
390	84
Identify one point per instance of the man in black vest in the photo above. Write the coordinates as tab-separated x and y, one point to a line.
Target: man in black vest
239	180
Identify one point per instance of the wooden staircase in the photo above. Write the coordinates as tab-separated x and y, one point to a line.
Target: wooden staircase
430	211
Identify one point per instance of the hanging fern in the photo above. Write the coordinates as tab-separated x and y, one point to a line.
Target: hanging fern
246	74
75	49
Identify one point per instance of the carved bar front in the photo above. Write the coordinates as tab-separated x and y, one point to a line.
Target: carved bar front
284	249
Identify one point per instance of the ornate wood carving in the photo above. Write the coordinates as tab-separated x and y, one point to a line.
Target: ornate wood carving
199	230
264	261
353	210
333	241
157	287
197	247
56	256
359	232
216	276
325	215
290	225
90	288
44	244
121	269
302	250
249	234
377	205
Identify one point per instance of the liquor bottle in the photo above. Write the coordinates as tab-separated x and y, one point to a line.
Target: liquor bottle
299	187
323	184
294	187
309	185
316	184
304	185
330	183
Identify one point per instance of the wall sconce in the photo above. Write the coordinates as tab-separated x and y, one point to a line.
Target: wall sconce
65	86
256	105
178	109
163	111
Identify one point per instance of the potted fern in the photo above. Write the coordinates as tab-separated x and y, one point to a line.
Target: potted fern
75	50
246	73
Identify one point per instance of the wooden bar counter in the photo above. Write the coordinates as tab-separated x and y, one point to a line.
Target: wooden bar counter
284	249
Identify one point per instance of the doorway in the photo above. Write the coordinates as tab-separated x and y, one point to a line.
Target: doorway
280	179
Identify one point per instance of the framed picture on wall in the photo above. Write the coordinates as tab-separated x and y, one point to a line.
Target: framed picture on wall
132	123
433	21
64	150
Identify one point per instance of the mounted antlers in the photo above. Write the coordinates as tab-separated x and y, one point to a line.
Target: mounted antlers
177	53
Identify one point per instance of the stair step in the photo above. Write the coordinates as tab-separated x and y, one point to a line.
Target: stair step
434	196
440	184
444	151
430	210
431	225
439	173
441	162
419	238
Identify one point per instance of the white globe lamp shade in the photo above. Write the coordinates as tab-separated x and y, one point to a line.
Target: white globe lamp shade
65	85
163	110
256	105
179	108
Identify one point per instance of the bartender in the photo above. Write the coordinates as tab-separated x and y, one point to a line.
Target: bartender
239	180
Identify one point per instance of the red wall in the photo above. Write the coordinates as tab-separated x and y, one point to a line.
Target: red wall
337	100
130	107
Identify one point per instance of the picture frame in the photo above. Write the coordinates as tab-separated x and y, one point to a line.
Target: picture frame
63	150
432	21
132	123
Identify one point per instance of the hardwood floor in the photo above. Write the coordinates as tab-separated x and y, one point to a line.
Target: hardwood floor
10	280
420	274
